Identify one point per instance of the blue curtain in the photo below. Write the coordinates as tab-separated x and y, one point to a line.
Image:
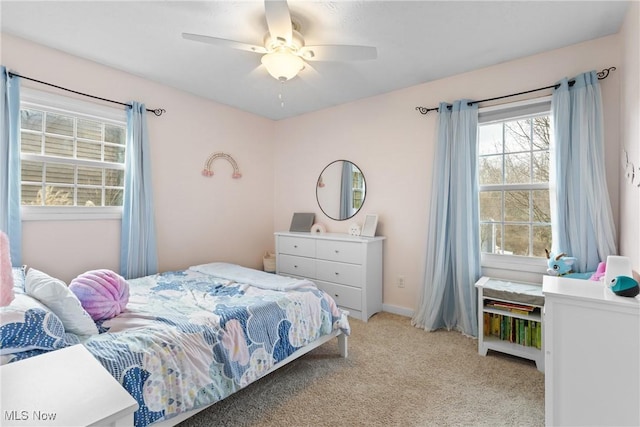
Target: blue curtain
10	221
581	211
453	244
346	190
138	252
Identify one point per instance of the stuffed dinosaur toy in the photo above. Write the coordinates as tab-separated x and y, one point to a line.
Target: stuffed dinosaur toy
562	265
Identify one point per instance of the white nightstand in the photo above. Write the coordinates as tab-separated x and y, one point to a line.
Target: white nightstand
66	387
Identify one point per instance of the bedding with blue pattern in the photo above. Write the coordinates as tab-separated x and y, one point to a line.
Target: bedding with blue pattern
19	274
188	339
28	327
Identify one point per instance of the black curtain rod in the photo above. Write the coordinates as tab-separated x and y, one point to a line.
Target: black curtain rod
601	76
157	111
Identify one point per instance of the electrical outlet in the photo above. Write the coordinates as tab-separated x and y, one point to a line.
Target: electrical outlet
401	281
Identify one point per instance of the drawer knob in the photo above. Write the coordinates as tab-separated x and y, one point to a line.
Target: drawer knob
295	246
295	266
335	295
337	251
337	274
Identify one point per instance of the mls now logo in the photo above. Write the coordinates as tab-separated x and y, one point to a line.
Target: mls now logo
26	416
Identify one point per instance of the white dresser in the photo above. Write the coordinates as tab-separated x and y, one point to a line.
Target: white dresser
592	354
349	268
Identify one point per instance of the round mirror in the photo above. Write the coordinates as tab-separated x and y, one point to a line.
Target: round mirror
341	190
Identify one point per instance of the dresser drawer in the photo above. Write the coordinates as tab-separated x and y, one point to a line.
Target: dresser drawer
333	250
297	246
345	296
337	272
299	266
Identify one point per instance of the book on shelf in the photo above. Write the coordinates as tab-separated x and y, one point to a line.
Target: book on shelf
486	329
524	332
495	325
511	307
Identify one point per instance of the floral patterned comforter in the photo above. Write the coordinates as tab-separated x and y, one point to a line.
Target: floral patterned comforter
188	339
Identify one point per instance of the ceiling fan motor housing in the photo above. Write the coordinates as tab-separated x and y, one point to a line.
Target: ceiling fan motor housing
273	44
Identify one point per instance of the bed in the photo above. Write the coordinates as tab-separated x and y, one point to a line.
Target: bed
187	339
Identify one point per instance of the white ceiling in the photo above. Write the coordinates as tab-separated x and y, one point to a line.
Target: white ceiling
417	42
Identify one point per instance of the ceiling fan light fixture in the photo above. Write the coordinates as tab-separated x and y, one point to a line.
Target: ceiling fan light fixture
283	65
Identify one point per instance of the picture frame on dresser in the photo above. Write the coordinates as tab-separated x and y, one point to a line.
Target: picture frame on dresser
370	225
302	221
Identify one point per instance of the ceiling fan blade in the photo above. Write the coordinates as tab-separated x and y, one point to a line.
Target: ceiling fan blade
224	43
278	20
309	73
338	53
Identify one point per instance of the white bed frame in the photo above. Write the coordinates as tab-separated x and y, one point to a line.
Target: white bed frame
342	346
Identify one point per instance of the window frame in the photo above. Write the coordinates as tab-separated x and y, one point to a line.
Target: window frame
514	111
39	100
357	187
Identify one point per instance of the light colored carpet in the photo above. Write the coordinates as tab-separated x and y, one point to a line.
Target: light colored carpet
395	375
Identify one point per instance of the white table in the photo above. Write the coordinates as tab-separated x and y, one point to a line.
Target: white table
66	387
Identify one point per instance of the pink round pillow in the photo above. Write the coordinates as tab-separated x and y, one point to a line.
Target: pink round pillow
102	293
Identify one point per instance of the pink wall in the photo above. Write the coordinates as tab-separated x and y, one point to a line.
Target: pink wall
630	135
394	146
198	219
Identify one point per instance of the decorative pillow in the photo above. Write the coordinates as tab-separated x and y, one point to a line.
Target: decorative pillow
27	325
6	275
103	293
55	294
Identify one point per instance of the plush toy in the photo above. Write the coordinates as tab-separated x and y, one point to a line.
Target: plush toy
562	265
624	286
6	275
600	272
103	293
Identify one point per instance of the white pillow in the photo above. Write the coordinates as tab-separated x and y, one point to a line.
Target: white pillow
55	294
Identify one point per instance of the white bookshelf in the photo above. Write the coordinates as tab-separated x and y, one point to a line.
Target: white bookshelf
521	293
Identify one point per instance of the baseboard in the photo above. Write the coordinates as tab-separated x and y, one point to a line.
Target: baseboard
402	311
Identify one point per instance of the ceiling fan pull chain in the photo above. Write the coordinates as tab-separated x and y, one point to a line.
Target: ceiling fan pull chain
280	96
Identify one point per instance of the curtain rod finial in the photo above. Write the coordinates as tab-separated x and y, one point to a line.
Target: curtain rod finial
425	110
605	73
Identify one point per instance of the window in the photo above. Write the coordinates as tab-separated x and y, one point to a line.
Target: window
358	190
513	168
72	158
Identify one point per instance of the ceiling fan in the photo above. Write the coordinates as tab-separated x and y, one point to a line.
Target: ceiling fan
284	52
